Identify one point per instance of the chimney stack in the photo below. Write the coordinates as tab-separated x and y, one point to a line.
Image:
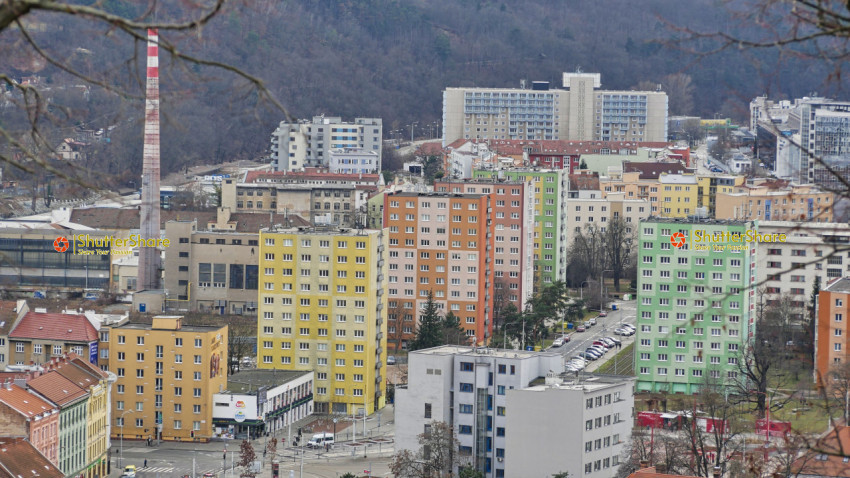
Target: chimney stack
149	227
644	464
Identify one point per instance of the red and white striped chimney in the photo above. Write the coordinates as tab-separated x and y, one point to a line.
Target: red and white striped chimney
149	257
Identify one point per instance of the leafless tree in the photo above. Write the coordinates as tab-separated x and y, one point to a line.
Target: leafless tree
438	454
714	448
762	361
28	144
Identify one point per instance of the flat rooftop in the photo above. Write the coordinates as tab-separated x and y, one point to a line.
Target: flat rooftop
483	352
585	382
436	194
183	328
251	380
701	221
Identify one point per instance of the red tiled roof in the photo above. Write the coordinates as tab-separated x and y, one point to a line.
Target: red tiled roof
20	459
308	173
50	326
584	182
22	401
87	366
56	388
79	377
826	458
430	149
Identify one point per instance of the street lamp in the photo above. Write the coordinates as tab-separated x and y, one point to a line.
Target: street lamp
602	289
581	289
505	335
121	455
411	129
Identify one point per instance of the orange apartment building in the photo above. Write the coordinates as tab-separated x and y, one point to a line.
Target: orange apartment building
831	333
512	204
440	243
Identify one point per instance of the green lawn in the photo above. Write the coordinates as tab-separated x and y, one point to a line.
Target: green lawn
622	363
813	420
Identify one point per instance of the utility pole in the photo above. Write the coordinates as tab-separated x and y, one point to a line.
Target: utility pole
602	289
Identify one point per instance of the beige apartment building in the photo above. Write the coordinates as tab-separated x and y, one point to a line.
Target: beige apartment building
590	207
213	266
776	201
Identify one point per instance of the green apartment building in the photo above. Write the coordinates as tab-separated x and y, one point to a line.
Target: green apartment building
550	189
694	304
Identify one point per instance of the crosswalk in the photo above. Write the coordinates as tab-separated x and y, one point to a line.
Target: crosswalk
152	470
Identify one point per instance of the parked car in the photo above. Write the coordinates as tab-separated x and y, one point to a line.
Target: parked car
576	364
592	321
608	341
566	338
602	350
390	359
622	331
603	314
594	355
595	350
586	356
579	358
558	342
614	339
319	440
580	328
587	324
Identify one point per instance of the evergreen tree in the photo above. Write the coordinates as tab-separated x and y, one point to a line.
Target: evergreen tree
453	333
429	333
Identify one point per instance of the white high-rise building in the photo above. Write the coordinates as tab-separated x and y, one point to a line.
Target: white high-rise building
308	143
580	112
586	435
468	388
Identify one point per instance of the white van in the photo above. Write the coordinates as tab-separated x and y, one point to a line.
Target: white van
319	440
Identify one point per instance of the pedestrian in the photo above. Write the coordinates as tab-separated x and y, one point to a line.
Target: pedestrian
327	447
146	463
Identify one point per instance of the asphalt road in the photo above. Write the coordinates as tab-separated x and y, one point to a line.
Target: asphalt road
605	326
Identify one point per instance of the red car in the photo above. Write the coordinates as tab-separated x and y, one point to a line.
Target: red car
603	314
580	328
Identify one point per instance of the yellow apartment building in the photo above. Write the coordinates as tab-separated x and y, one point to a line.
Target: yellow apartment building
677	195
167	375
710	186
322	308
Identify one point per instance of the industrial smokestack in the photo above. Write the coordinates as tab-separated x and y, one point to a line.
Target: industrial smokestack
149	257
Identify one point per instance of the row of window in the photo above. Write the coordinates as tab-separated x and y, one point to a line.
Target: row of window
680	372
341	244
681	344
178	391
680	358
600	443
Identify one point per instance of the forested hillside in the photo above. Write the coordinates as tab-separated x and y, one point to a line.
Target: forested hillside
385	58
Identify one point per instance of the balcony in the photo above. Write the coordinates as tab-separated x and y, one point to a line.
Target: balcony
379	351
378	379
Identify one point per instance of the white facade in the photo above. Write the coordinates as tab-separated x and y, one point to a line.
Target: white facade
354	161
579	112
596	207
580	427
307	143
468	387
791	267
269	400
